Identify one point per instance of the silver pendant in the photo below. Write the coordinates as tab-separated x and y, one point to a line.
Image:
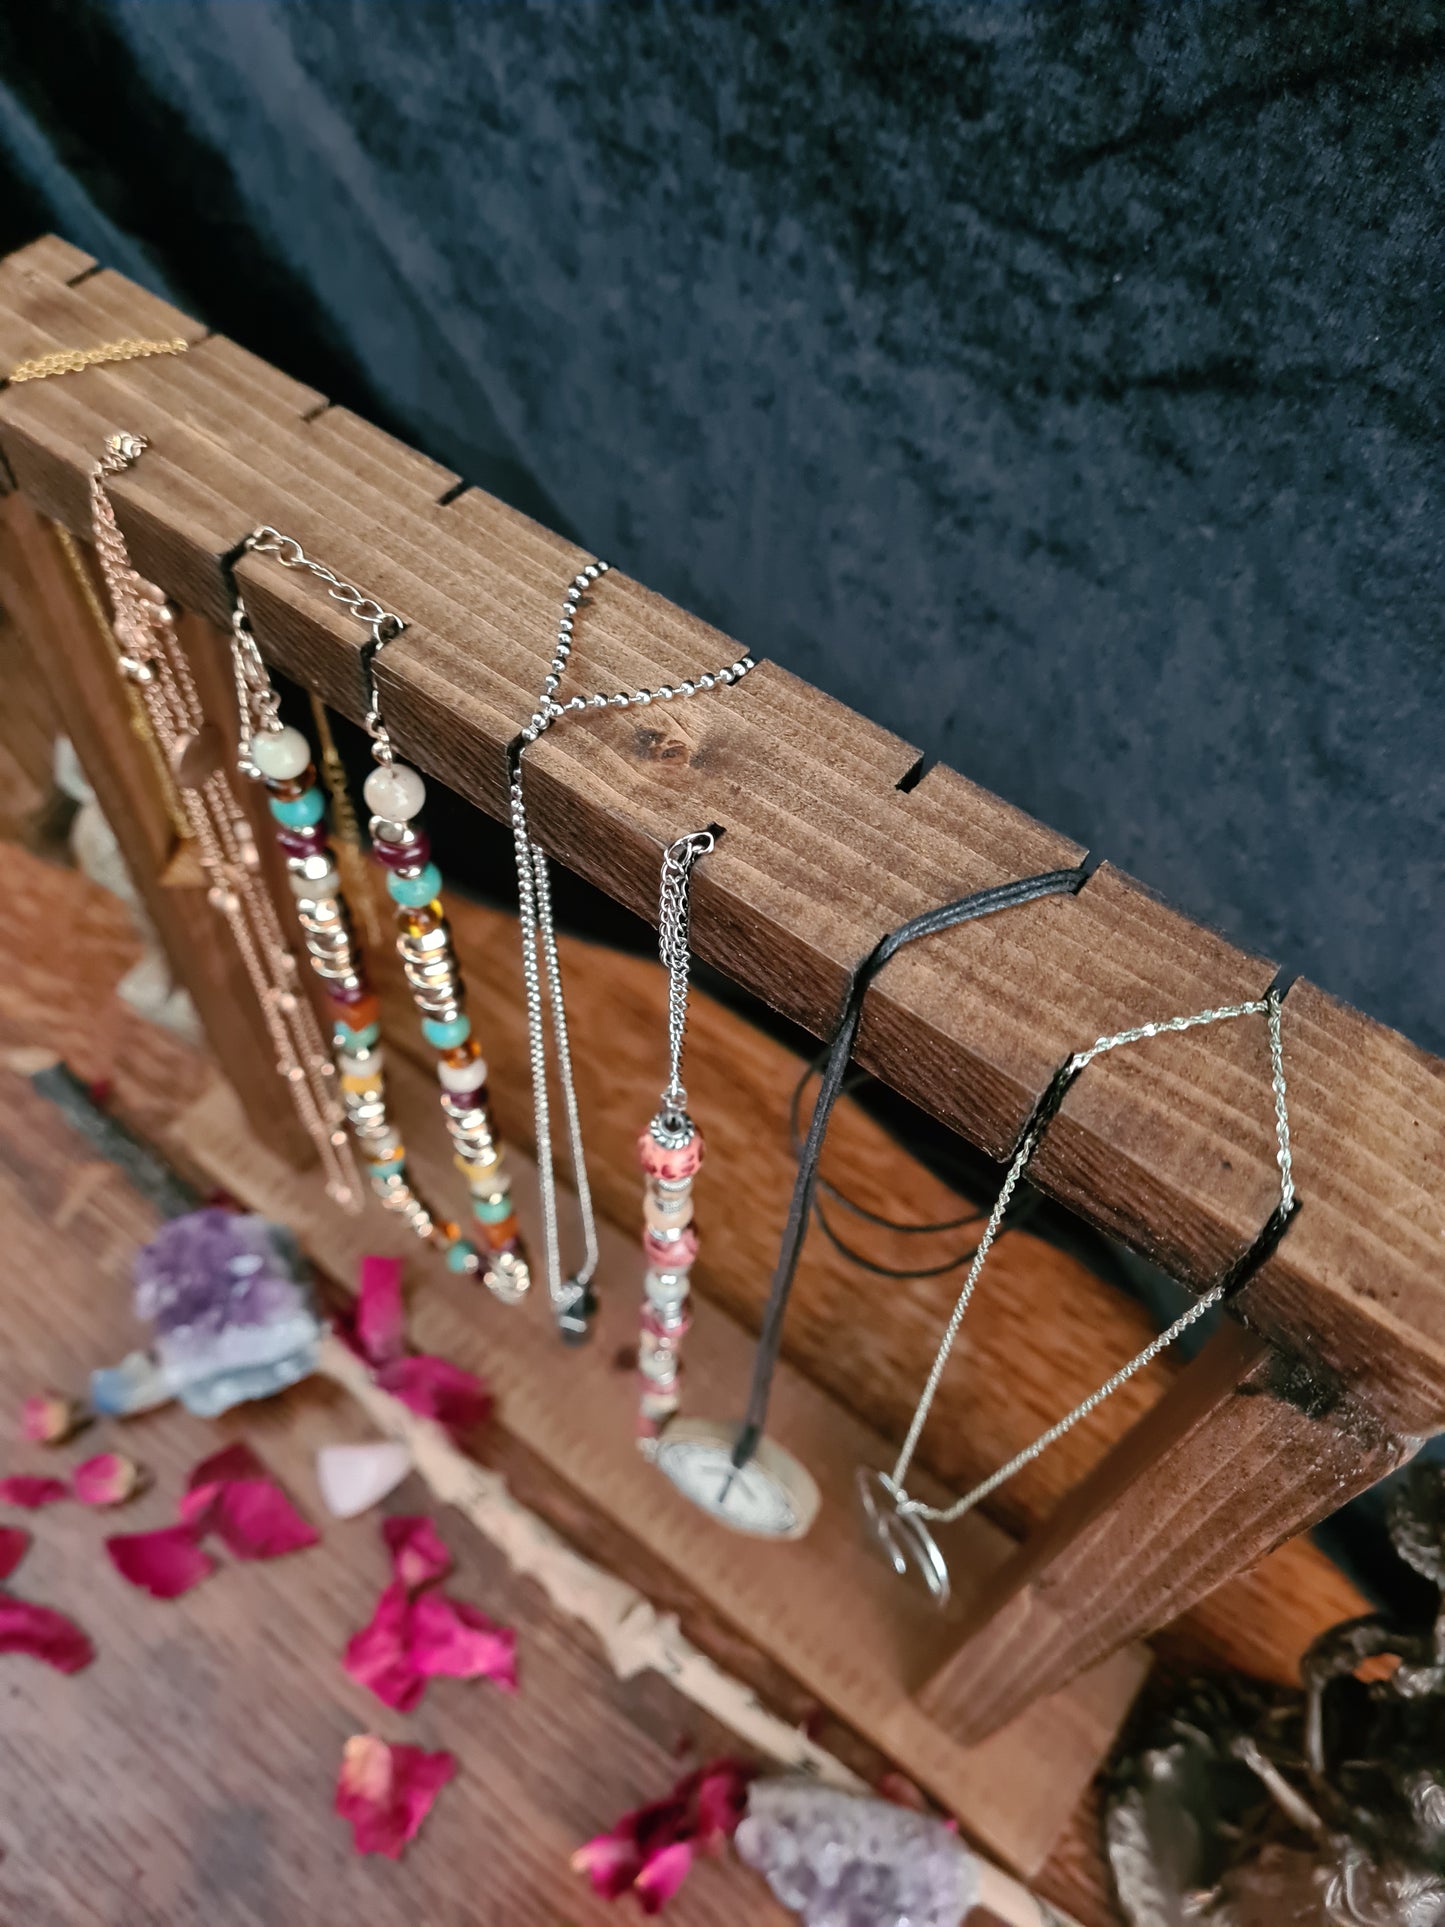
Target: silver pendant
902	1538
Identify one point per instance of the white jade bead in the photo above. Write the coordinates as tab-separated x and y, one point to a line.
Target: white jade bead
396	793
462	1077
383	1144
323	887
367	1066
282	753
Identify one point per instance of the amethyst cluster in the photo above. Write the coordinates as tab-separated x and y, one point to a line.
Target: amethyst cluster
228	1298
839	1860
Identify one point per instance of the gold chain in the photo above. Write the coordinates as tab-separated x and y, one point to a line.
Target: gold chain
140	722
356	871
70	361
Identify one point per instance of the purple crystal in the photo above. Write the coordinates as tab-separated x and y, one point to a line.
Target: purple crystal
839	1860
230	1301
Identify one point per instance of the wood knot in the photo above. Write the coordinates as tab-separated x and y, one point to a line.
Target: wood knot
665	737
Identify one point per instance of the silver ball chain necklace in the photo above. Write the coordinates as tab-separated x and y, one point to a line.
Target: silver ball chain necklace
571	1294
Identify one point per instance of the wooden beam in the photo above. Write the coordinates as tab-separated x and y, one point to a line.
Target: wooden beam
1242	1452
1170	1147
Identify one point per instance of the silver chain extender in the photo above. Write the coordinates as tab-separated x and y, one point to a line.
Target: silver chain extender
570	1297
1268	1007
673	920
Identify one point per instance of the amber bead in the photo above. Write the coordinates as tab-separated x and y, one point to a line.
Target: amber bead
288	788
499	1236
460	1055
362	1011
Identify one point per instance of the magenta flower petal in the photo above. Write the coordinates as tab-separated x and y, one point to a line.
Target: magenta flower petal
256	1520
437	1389
662	1875
32	1492
385	1792
236	1461
380	1316
610	1862
449	1638
107	1479
379	1655
417	1553
721	1801
14	1541
44	1634
165	1563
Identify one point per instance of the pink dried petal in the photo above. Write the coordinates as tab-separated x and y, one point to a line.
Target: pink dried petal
453	1640
379	1656
256	1520
385	1792
380	1324
610	1862
236	1461
44	1634
50	1418
14	1541
437	1389
662	1875
721	1801
108	1479
417	1553
165	1563
31	1492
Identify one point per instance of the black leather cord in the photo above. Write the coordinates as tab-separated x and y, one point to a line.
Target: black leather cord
982	903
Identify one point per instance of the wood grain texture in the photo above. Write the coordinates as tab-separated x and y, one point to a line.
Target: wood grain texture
822	853
186	1778
1259	1621
1236	1458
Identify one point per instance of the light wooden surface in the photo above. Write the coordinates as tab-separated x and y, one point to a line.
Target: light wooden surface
1170	1146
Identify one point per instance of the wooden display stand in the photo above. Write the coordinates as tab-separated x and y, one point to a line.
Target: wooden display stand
1333	1365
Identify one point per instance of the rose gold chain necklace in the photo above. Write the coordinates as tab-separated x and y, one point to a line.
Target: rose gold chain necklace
154	663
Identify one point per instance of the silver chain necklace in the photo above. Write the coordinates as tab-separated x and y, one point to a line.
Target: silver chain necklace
571	1296
897	1521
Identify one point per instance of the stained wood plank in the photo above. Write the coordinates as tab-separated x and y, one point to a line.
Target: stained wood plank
822	852
1234	1459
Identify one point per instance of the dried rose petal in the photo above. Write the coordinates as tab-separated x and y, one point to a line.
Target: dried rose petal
44	1634
452	1640
662	1875
650	1849
165	1563
50	1418
108	1479
236	1461
380	1325
231	1494
253	1518
14	1540
610	1863
417	1553
379	1655
387	1791
437	1389
31	1492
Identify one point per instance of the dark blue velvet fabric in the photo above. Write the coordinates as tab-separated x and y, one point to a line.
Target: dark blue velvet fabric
1060	386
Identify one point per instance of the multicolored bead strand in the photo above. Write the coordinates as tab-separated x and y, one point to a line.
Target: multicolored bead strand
281	758
395	794
670	1152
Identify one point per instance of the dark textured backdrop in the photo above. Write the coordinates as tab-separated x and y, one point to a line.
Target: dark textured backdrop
1060	385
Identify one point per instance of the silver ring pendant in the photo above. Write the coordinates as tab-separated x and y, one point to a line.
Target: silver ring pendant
902	1539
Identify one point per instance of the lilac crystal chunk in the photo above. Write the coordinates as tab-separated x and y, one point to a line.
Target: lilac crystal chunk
839	1860
229	1299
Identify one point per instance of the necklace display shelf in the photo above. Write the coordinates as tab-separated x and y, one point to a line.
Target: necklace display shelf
1334	1365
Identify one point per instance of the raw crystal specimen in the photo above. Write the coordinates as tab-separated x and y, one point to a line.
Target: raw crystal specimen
229	1300
843	1861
